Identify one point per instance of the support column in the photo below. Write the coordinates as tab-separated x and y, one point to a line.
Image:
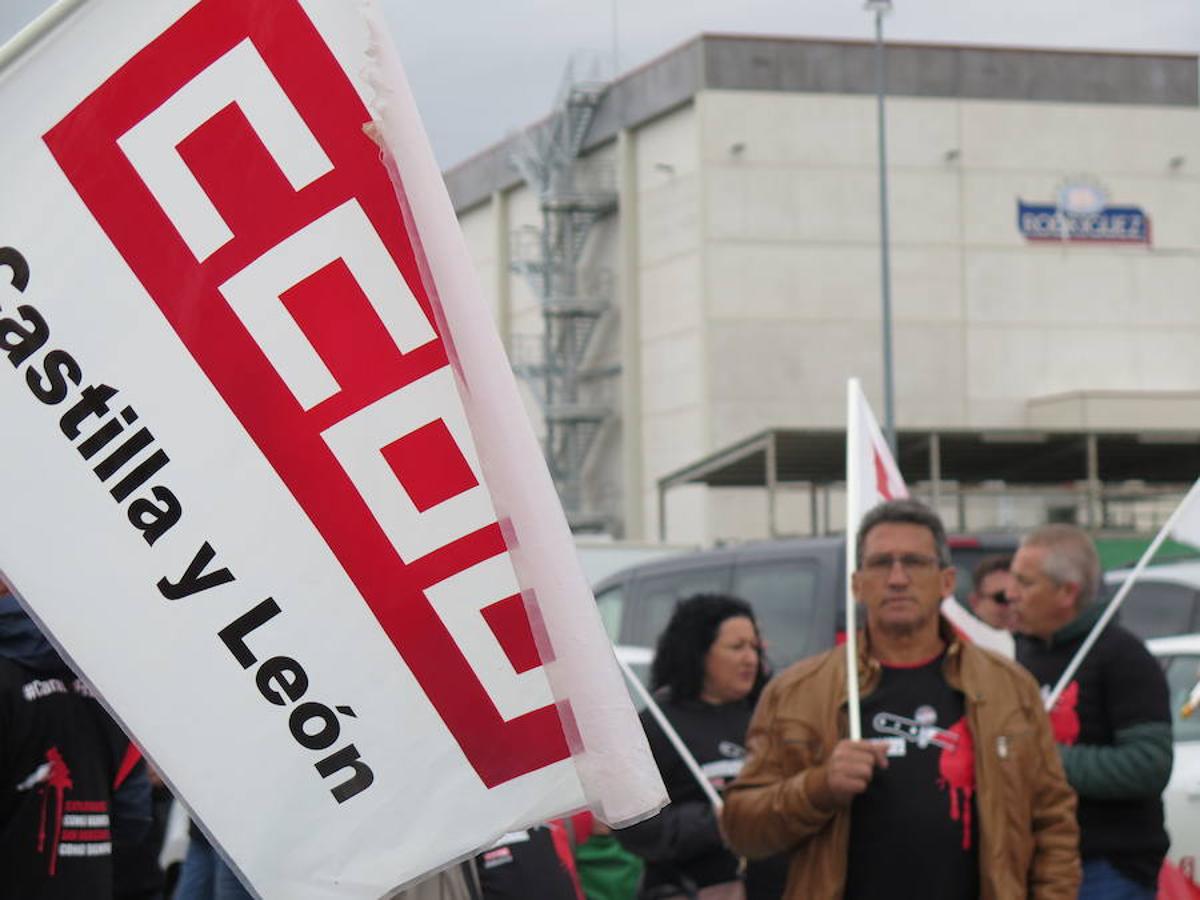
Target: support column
935	469
813	523
632	451
1093	481
772	485
502	246
662	513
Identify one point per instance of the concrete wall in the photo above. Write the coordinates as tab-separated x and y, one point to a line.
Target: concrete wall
1079	317
984	320
673	325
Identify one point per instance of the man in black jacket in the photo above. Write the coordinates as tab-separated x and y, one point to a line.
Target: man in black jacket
1112	722
71	784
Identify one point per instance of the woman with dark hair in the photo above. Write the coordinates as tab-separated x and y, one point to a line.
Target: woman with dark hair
706	676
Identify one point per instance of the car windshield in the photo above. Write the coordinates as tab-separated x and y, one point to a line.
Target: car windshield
1182	672
1156	609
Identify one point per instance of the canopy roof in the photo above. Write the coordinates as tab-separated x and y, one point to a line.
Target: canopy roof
970	457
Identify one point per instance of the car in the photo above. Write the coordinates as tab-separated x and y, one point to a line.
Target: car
1164	601
797	589
1180	657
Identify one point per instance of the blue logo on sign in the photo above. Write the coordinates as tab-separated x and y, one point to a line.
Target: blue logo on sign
1082	213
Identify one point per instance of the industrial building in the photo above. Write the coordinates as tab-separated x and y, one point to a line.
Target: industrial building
685	266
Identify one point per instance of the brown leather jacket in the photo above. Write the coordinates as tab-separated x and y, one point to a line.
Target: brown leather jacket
1029	839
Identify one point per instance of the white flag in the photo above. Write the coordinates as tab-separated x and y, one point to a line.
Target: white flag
872	477
1183	525
267	478
975	629
1186	525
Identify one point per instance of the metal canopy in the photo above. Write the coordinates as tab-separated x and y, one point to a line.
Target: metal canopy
1016	458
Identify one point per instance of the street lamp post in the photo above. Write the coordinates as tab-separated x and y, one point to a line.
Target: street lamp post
881	8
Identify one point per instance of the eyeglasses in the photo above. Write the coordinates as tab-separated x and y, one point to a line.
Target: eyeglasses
911	563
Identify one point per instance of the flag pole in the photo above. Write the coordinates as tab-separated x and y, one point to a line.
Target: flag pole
853	392
673	736
36	30
1094	634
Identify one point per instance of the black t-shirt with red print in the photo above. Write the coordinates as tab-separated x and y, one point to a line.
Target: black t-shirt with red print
914	832
525	864
682	845
61	758
1119	690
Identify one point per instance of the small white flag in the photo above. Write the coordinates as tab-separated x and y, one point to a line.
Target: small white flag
1186	528
973	629
872	477
1182	525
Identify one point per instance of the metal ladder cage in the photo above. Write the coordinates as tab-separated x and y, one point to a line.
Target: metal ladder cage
574	194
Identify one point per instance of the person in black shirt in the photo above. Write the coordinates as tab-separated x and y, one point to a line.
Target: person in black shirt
919	820
1112	722
954	792
707	673
525	864
71	784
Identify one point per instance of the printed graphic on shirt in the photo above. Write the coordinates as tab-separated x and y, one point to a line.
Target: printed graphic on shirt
957	768
921	729
722	772
500	856
66	827
915	828
85	829
40	688
525	864
1064	718
956	761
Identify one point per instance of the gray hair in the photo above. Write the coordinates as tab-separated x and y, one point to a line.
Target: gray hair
904	512
1070	557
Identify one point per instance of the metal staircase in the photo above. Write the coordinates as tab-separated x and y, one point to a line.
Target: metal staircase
575	397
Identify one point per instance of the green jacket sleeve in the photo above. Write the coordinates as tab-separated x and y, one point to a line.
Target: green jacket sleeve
1137	764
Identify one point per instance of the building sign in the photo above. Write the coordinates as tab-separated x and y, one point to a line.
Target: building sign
1082	213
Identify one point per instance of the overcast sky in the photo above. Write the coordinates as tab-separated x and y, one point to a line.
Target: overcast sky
482	68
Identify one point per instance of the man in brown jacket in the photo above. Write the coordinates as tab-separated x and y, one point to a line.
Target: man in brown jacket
956	790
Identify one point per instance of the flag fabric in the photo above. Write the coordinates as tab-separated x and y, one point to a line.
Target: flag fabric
872	477
1185	525
978	631
1177	881
267	478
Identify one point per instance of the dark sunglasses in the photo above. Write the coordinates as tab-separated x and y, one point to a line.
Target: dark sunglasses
999	597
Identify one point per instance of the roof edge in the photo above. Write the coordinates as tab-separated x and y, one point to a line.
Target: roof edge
845	67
